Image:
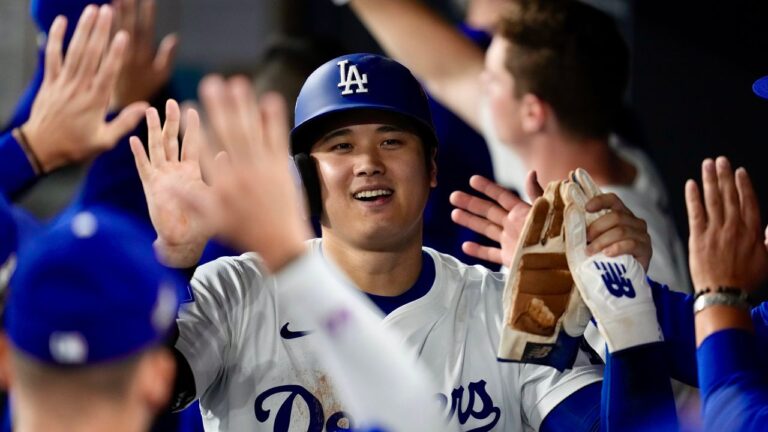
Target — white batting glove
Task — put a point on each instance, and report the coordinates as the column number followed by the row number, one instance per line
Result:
column 614, row 288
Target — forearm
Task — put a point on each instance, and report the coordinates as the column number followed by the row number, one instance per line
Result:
column 445, row 61
column 733, row 387
column 718, row 318
column 637, row 394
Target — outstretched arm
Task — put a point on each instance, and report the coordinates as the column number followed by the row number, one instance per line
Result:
column 728, row 258
column 445, row 61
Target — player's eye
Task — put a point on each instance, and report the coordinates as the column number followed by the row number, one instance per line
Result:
column 341, row 147
column 391, row 143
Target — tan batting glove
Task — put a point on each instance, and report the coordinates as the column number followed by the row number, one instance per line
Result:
column 544, row 315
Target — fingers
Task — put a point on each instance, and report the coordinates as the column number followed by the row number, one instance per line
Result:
column 124, row 123
column 505, row 198
column 140, row 157
column 171, row 131
column 487, row 253
column 248, row 115
column 79, row 40
column 166, row 53
column 613, row 220
column 276, row 128
column 477, row 224
column 712, row 199
column 96, row 45
column 532, row 187
column 629, row 237
column 106, row 79
column 53, row 55
column 190, row 150
column 728, row 192
column 155, row 132
column 129, row 20
column 697, row 216
column 608, row 201
column 750, row 210
column 217, row 108
column 146, row 23
column 479, row 206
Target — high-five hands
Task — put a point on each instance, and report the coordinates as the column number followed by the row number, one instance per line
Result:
column 501, row 217
column 67, row 122
column 252, row 201
column 146, row 68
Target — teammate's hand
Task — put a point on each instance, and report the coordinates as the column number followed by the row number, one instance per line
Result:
column 67, row 122
column 726, row 240
column 181, row 233
column 146, row 69
column 255, row 205
column 618, row 231
column 501, row 219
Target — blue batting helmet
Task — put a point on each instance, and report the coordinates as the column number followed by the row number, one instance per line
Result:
column 359, row 82
column 355, row 82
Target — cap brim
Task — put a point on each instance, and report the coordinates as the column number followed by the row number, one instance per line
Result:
column 760, row 87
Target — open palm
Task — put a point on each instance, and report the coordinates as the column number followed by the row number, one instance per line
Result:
column 181, row 234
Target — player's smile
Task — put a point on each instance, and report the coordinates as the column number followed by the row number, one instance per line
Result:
column 373, row 196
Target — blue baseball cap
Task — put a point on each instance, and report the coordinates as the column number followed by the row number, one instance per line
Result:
column 760, row 87
column 90, row 290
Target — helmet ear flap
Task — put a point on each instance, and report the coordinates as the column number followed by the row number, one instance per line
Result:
column 307, row 168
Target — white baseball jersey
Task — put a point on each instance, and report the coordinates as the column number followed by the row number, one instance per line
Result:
column 255, row 368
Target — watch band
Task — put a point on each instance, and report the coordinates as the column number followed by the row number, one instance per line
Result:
column 720, row 299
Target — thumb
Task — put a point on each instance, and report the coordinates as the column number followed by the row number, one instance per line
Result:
column 166, row 53
column 124, row 123
column 575, row 236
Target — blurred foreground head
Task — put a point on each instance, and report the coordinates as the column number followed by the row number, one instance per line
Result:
column 88, row 312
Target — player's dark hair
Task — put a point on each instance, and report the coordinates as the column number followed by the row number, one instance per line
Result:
column 570, row 55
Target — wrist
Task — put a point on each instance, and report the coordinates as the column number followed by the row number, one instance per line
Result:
column 178, row 256
column 720, row 317
column 277, row 258
column 22, row 137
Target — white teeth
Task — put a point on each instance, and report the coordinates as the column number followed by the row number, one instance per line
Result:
column 373, row 193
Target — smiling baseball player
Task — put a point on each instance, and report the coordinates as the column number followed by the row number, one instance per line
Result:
column 365, row 147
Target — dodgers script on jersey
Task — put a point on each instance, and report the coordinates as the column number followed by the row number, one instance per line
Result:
column 255, row 369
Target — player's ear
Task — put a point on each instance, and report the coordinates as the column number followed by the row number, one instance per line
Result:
column 433, row 168
column 533, row 113
column 154, row 378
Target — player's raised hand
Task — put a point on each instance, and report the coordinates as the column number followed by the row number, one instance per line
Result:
column 500, row 219
column 146, row 68
column 727, row 245
column 181, row 233
column 256, row 204
column 67, row 121
column 616, row 232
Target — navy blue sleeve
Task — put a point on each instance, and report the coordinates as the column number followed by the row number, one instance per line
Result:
column 16, row 172
column 576, row 413
column 734, row 390
column 637, row 393
column 674, row 312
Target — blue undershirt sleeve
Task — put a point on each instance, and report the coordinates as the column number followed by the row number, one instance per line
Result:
column 637, row 393
column 674, row 312
column 734, row 391
column 15, row 170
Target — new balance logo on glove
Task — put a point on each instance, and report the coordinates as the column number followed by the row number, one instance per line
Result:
column 615, row 282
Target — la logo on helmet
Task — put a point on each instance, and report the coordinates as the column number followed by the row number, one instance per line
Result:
column 350, row 77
